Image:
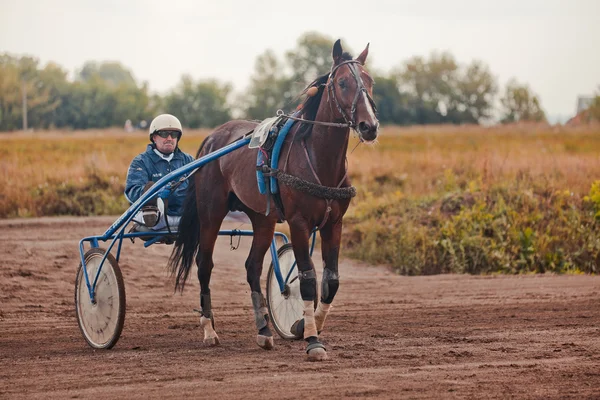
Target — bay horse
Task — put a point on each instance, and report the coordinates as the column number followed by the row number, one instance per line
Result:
column 315, row 152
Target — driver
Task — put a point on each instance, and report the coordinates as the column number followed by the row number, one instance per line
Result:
column 161, row 157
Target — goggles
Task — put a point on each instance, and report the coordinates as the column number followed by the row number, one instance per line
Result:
column 165, row 134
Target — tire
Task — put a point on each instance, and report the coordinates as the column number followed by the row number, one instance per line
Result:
column 101, row 323
column 288, row 307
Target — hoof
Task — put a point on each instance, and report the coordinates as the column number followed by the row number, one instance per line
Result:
column 212, row 341
column 318, row 354
column 315, row 351
column 265, row 342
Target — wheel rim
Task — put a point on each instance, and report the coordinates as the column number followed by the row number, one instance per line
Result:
column 99, row 320
column 288, row 307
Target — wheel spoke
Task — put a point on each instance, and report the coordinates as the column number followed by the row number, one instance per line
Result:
column 285, row 310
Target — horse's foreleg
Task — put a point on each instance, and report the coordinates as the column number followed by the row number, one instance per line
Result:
column 330, row 249
column 308, row 290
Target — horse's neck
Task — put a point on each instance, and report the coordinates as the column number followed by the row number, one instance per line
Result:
column 327, row 148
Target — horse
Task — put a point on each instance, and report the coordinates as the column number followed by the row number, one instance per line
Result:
column 314, row 152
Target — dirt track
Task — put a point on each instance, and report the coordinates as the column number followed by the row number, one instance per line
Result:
column 388, row 336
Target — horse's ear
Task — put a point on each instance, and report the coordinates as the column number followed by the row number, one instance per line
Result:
column 337, row 52
column 363, row 56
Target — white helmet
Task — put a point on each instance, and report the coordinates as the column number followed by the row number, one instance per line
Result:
column 165, row 122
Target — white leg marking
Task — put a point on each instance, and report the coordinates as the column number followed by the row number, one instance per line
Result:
column 210, row 336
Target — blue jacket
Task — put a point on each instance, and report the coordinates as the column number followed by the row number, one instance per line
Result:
column 149, row 166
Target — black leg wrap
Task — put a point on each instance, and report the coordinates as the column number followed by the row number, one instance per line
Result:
column 297, row 329
column 313, row 343
column 329, row 286
column 308, row 285
column 205, row 305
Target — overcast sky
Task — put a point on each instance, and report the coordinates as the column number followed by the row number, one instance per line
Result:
column 553, row 45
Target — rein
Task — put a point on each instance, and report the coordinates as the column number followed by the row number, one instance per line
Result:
column 280, row 113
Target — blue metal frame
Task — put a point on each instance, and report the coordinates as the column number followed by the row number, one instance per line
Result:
column 162, row 189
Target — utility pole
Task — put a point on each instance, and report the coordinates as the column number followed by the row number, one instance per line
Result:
column 24, row 92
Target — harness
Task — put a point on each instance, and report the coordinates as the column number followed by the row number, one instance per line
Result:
column 268, row 154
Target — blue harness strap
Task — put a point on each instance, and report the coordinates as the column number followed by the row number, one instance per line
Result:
column 260, row 159
column 277, row 149
column 260, row 178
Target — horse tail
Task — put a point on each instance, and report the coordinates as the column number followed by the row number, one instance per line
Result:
column 188, row 236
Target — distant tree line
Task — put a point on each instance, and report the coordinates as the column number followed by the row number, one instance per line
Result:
column 422, row 90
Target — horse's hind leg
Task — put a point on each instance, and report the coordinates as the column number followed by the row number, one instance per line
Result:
column 208, row 237
column 205, row 266
column 263, row 228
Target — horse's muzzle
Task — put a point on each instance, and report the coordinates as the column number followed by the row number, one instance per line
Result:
column 368, row 132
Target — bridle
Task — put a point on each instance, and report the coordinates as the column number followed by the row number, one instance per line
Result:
column 349, row 122
column 360, row 88
column 338, row 192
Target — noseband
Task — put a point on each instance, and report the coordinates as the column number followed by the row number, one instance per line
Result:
column 360, row 88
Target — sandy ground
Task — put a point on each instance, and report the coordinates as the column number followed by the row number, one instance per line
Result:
column 388, row 336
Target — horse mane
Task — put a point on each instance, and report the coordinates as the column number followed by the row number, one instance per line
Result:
column 310, row 105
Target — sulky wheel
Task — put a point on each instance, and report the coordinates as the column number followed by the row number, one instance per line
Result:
column 287, row 306
column 101, row 321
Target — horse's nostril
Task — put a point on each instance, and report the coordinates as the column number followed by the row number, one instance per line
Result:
column 363, row 127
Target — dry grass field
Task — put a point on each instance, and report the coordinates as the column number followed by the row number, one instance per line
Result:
column 474, row 199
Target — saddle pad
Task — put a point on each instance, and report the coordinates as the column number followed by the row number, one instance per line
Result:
column 261, row 132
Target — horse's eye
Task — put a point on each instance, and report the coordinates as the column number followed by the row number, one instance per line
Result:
column 342, row 83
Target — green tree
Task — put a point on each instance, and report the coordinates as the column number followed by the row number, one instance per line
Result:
column 475, row 93
column 105, row 94
column 594, row 110
column 310, row 58
column 199, row 104
column 444, row 91
column 94, row 105
column 52, row 80
column 133, row 103
column 270, row 88
column 111, row 72
column 278, row 85
column 21, row 81
column 10, row 93
column 393, row 106
column 521, row 104
column 432, row 84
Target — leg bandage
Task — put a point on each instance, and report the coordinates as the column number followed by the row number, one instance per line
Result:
column 310, row 329
column 321, row 315
column 261, row 314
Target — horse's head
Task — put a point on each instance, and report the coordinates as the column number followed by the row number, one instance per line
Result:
column 351, row 90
